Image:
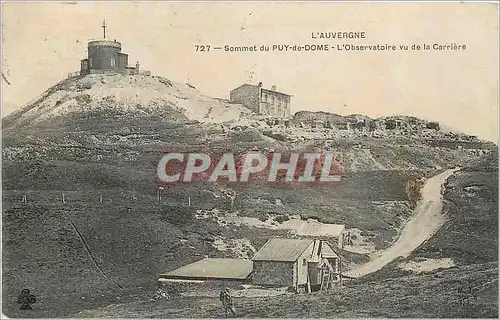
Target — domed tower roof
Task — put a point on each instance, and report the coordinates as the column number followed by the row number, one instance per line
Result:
column 105, row 43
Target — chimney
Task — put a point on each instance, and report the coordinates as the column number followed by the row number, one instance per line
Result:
column 273, row 88
column 260, row 84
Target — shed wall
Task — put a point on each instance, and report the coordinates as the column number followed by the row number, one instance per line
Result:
column 273, row 273
column 302, row 262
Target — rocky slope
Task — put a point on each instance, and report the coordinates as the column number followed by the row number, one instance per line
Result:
column 97, row 139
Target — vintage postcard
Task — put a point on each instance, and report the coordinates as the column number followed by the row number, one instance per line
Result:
column 260, row 159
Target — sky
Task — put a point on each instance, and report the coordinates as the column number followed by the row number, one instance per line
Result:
column 43, row 42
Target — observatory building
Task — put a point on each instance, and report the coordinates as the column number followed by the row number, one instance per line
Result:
column 105, row 56
column 268, row 102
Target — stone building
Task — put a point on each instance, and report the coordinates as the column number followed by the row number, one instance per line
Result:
column 105, row 56
column 262, row 101
column 302, row 264
column 298, row 263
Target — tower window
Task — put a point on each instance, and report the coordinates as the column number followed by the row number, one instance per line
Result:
column 113, row 62
column 90, row 62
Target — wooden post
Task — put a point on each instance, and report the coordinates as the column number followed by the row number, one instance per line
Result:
column 159, row 194
column 100, row 198
column 189, row 201
column 63, row 199
column 340, row 271
column 297, row 277
column 308, row 282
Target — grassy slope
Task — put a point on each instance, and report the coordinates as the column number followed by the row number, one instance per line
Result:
column 134, row 240
column 430, row 296
column 43, row 252
column 469, row 237
column 470, row 234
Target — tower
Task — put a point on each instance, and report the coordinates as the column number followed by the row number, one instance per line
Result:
column 104, row 56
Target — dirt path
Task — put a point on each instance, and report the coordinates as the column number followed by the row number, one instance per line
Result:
column 426, row 220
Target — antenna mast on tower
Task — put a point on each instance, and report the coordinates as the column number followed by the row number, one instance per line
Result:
column 104, row 28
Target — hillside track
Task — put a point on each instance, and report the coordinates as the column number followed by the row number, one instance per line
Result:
column 426, row 220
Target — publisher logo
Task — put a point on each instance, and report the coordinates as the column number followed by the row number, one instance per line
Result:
column 26, row 299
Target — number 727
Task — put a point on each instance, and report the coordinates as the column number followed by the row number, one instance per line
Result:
column 202, row 47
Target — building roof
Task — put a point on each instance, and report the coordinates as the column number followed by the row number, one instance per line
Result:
column 282, row 249
column 232, row 269
column 256, row 86
column 106, row 43
column 312, row 227
column 270, row 90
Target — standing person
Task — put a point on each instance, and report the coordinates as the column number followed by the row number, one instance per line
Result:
column 227, row 302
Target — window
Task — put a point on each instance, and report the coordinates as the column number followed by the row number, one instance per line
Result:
column 304, row 262
column 113, row 62
column 272, row 99
column 90, row 62
column 264, row 97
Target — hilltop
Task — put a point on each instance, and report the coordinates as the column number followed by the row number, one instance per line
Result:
column 122, row 96
column 97, row 139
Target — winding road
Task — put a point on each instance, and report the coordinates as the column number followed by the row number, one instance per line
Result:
column 426, row 220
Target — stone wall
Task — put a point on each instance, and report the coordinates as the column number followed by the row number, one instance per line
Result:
column 208, row 287
column 247, row 95
column 275, row 104
column 273, row 273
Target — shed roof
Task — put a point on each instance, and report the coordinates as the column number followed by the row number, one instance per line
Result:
column 327, row 251
column 282, row 249
column 233, row 269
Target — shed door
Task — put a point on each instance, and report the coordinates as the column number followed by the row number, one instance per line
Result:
column 314, row 273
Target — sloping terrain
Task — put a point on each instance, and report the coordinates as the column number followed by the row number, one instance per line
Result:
column 469, row 235
column 467, row 290
column 429, row 296
column 426, row 220
column 123, row 96
column 96, row 141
